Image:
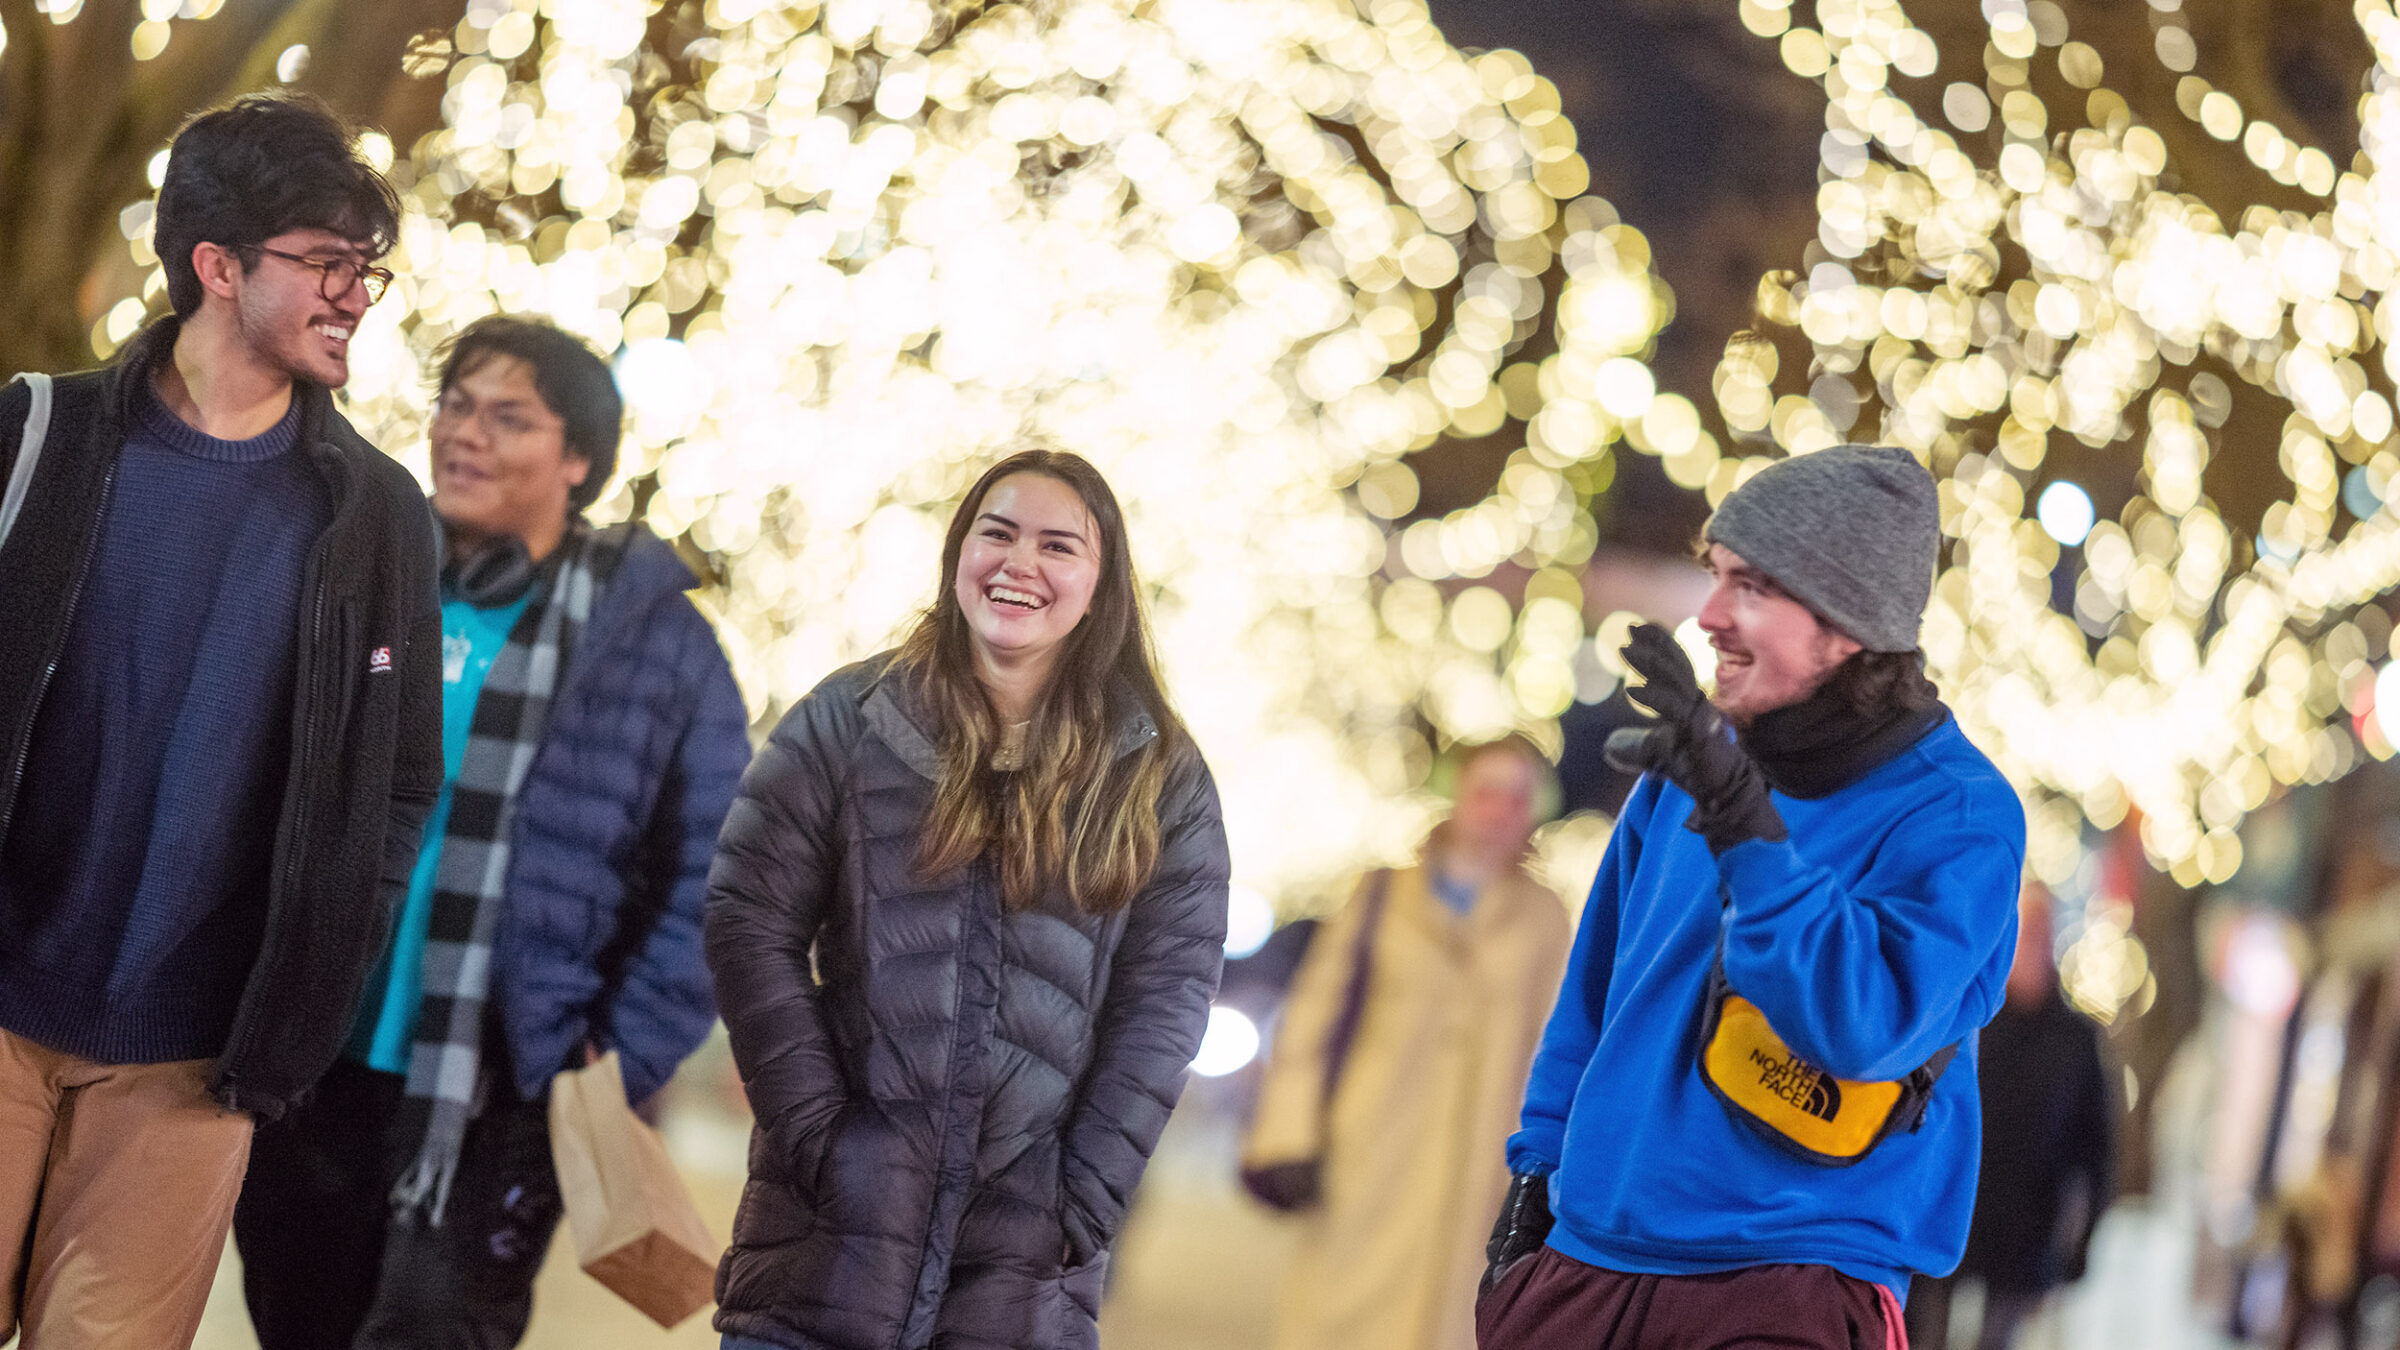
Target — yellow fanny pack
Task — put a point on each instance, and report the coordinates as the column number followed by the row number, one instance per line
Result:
column 1793, row 1104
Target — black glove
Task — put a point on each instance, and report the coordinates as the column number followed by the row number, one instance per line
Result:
column 1286, row 1188
column 1523, row 1227
column 1688, row 743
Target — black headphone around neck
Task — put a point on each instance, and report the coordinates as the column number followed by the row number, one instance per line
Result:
column 498, row 572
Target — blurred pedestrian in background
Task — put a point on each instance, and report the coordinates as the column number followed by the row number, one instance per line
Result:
column 1398, row 1070
column 2049, row 1150
column 592, row 741
column 966, row 920
column 1754, row 1111
column 221, row 720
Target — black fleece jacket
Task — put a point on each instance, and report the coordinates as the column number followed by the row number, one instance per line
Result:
column 366, row 717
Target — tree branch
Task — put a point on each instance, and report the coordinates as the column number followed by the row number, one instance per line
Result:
column 80, row 119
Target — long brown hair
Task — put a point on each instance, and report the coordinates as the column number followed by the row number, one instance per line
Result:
column 1077, row 815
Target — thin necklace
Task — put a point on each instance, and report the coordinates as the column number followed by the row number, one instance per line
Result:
column 1009, row 756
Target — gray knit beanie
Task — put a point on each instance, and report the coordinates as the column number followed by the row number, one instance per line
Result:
column 1852, row 532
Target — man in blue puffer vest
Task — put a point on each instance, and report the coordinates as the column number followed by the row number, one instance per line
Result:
column 593, row 742
column 1754, row 1112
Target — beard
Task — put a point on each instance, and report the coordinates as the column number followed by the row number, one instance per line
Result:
column 283, row 341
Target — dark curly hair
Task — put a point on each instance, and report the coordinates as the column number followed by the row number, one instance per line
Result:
column 1878, row 682
column 240, row 174
column 571, row 378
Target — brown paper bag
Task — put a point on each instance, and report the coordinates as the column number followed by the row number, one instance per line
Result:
column 635, row 1226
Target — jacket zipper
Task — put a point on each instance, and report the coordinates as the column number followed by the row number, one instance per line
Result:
column 987, row 873
column 41, row 687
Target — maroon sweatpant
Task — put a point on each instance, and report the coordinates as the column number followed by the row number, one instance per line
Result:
column 1554, row 1302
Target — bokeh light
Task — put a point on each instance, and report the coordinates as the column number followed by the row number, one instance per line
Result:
column 2387, row 702
column 2028, row 279
column 1251, row 256
column 1249, row 921
column 2065, row 512
column 1229, row 1044
column 1247, row 255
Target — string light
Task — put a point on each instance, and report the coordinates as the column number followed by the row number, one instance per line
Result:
column 1247, row 255
column 2065, row 512
column 1250, row 255
column 2197, row 670
column 1230, row 1043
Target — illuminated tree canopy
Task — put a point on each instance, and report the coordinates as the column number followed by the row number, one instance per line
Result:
column 90, row 90
column 1251, row 256
column 1246, row 256
column 2031, row 278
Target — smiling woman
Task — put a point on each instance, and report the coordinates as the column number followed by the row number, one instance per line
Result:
column 1041, row 626
column 1025, row 576
column 915, row 923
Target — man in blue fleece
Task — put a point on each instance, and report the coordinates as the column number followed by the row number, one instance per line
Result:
column 1820, row 832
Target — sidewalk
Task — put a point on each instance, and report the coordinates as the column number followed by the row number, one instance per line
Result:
column 571, row 1311
column 1200, row 1265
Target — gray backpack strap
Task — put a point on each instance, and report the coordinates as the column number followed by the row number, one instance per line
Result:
column 29, row 451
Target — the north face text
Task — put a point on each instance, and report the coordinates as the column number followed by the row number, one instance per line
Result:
column 1802, row 1084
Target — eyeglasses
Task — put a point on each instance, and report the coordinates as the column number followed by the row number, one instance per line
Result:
column 337, row 275
column 497, row 421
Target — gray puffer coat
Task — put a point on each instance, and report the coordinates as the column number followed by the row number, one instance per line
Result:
column 953, row 1111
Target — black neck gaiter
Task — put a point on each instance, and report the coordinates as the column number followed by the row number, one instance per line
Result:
column 1822, row 744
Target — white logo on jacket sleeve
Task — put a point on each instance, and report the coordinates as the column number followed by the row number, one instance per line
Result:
column 379, row 661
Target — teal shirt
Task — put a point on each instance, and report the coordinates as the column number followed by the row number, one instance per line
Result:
column 471, row 641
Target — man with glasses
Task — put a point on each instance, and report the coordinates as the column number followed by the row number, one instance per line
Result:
column 340, row 273
column 220, row 729
column 593, row 740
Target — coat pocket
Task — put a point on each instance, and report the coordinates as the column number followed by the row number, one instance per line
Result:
column 1073, row 1304
column 791, row 1148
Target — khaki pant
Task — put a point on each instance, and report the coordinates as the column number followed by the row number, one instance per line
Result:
column 117, row 1182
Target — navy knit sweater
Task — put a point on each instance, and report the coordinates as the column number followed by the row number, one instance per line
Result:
column 134, row 878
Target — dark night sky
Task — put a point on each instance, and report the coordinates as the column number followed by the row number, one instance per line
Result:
column 1619, row 67
column 1700, row 138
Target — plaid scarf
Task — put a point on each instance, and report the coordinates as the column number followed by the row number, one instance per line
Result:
column 446, row 1078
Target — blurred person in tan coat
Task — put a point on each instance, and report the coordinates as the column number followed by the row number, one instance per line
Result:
column 1398, row 1070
